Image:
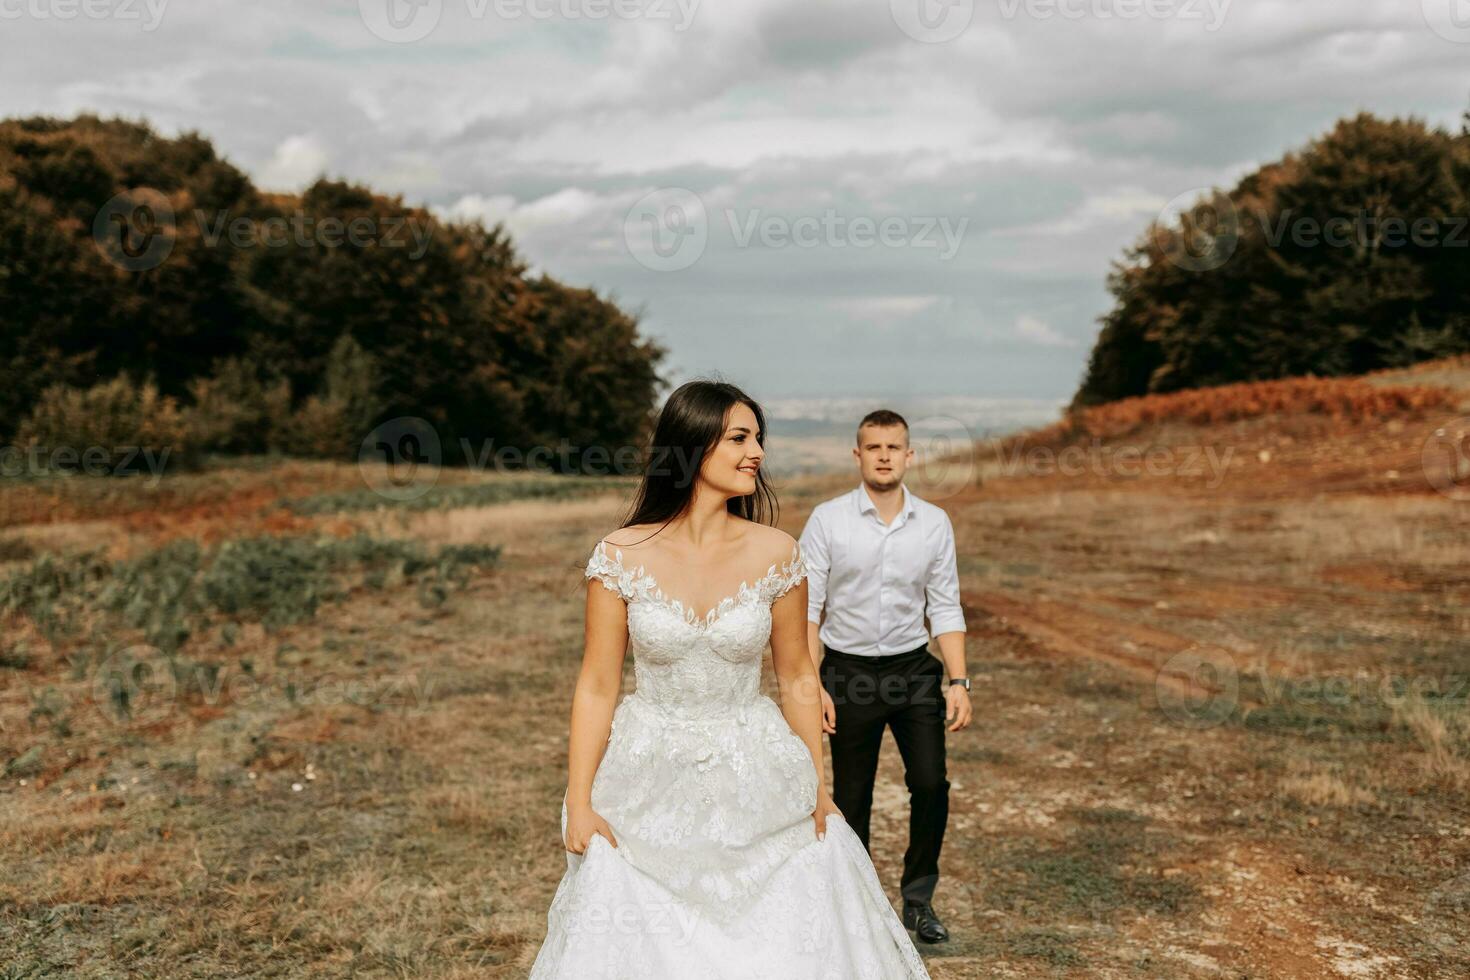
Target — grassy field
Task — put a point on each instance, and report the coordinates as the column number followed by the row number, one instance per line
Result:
column 252, row 725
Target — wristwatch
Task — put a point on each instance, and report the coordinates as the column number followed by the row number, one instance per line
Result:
column 960, row 681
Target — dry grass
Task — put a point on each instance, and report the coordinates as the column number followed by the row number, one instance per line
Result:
column 1336, row 399
column 1444, row 739
column 1451, row 372
column 1096, row 829
column 1314, row 786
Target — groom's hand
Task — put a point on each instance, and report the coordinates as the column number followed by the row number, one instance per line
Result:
column 829, row 713
column 958, row 713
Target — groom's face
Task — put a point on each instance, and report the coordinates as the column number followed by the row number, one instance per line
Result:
column 883, row 454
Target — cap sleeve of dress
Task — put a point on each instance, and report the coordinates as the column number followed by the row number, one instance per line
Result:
column 607, row 568
column 789, row 575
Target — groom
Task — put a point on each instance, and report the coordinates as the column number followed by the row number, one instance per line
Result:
column 880, row 560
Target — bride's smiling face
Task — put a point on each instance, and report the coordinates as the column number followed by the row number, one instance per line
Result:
column 731, row 466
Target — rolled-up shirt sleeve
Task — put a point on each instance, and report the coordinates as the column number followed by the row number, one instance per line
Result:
column 814, row 553
column 942, row 592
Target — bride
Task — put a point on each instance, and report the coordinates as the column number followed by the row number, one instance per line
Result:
column 700, row 839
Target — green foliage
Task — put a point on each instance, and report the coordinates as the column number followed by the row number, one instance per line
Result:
column 485, row 494
column 179, row 591
column 275, row 580
column 103, row 425
column 333, row 423
column 51, row 591
column 157, row 593
column 323, row 333
column 1310, row 266
column 234, row 411
column 1050, row 945
column 1096, row 871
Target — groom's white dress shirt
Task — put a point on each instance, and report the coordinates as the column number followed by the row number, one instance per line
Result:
column 878, row 581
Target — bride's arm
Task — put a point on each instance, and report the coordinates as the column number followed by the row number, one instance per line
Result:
column 801, row 702
column 598, row 685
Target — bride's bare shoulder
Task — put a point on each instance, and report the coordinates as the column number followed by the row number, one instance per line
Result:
column 632, row 537
column 772, row 542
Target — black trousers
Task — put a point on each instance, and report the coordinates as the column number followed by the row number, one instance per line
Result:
column 903, row 691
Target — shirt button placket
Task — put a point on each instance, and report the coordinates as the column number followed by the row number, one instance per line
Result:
column 882, row 581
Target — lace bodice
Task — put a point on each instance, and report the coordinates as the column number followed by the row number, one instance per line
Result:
column 685, row 663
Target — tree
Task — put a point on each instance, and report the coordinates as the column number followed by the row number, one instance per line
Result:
column 333, row 310
column 1348, row 256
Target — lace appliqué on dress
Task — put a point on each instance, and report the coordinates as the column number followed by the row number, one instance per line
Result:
column 636, row 584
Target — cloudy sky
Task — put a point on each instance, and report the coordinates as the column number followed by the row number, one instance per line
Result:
column 811, row 198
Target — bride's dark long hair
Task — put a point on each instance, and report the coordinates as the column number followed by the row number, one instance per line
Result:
column 689, row 427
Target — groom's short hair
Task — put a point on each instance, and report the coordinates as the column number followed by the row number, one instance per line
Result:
column 882, row 417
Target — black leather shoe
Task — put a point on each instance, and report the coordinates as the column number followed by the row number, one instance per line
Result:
column 920, row 918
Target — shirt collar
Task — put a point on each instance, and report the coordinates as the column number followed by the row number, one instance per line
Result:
column 865, row 501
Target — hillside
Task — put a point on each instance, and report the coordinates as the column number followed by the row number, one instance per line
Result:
column 1223, row 725
column 1379, row 433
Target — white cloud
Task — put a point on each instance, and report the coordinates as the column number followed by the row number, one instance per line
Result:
column 1035, row 330
column 1128, row 205
column 571, row 215
column 297, row 162
column 885, row 309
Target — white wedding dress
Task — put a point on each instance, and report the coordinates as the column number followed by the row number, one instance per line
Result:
column 718, row 872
